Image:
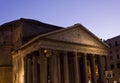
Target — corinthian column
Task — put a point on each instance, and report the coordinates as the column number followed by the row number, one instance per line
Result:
column 34, row 58
column 43, row 67
column 100, row 69
column 66, row 70
column 59, row 72
column 29, row 70
column 85, row 69
column 55, row 67
column 93, row 68
column 25, row 69
column 77, row 76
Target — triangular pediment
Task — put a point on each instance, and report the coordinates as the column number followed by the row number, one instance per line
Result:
column 76, row 34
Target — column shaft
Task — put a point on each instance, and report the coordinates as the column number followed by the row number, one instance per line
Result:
column 35, row 80
column 29, row 70
column 25, row 69
column 100, row 69
column 55, row 67
column 93, row 68
column 66, row 70
column 77, row 76
column 59, row 72
column 85, row 69
column 43, row 73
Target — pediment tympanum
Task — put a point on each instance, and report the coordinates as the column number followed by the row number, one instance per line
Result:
column 76, row 34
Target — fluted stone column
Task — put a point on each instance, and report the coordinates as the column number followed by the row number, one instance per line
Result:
column 29, row 70
column 93, row 68
column 43, row 67
column 34, row 59
column 66, row 69
column 77, row 76
column 100, row 69
column 85, row 69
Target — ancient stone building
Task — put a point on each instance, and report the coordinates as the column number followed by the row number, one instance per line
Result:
column 12, row 36
column 67, row 55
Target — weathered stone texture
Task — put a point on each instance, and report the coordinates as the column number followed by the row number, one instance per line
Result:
column 5, row 74
column 14, row 34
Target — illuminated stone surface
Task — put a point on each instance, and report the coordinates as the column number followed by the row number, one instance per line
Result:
column 13, row 35
column 47, row 53
column 63, row 56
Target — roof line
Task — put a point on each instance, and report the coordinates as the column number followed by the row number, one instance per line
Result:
column 53, row 32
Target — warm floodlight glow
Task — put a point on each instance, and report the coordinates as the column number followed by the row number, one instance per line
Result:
column 89, row 81
column 21, row 77
column 45, row 51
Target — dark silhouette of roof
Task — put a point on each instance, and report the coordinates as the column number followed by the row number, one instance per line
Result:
column 29, row 21
column 30, row 28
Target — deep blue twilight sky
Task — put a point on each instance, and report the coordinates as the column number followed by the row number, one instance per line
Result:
column 102, row 17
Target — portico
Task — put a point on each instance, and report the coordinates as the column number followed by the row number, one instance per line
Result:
column 71, row 55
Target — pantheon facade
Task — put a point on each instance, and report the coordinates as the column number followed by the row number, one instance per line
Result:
column 67, row 55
